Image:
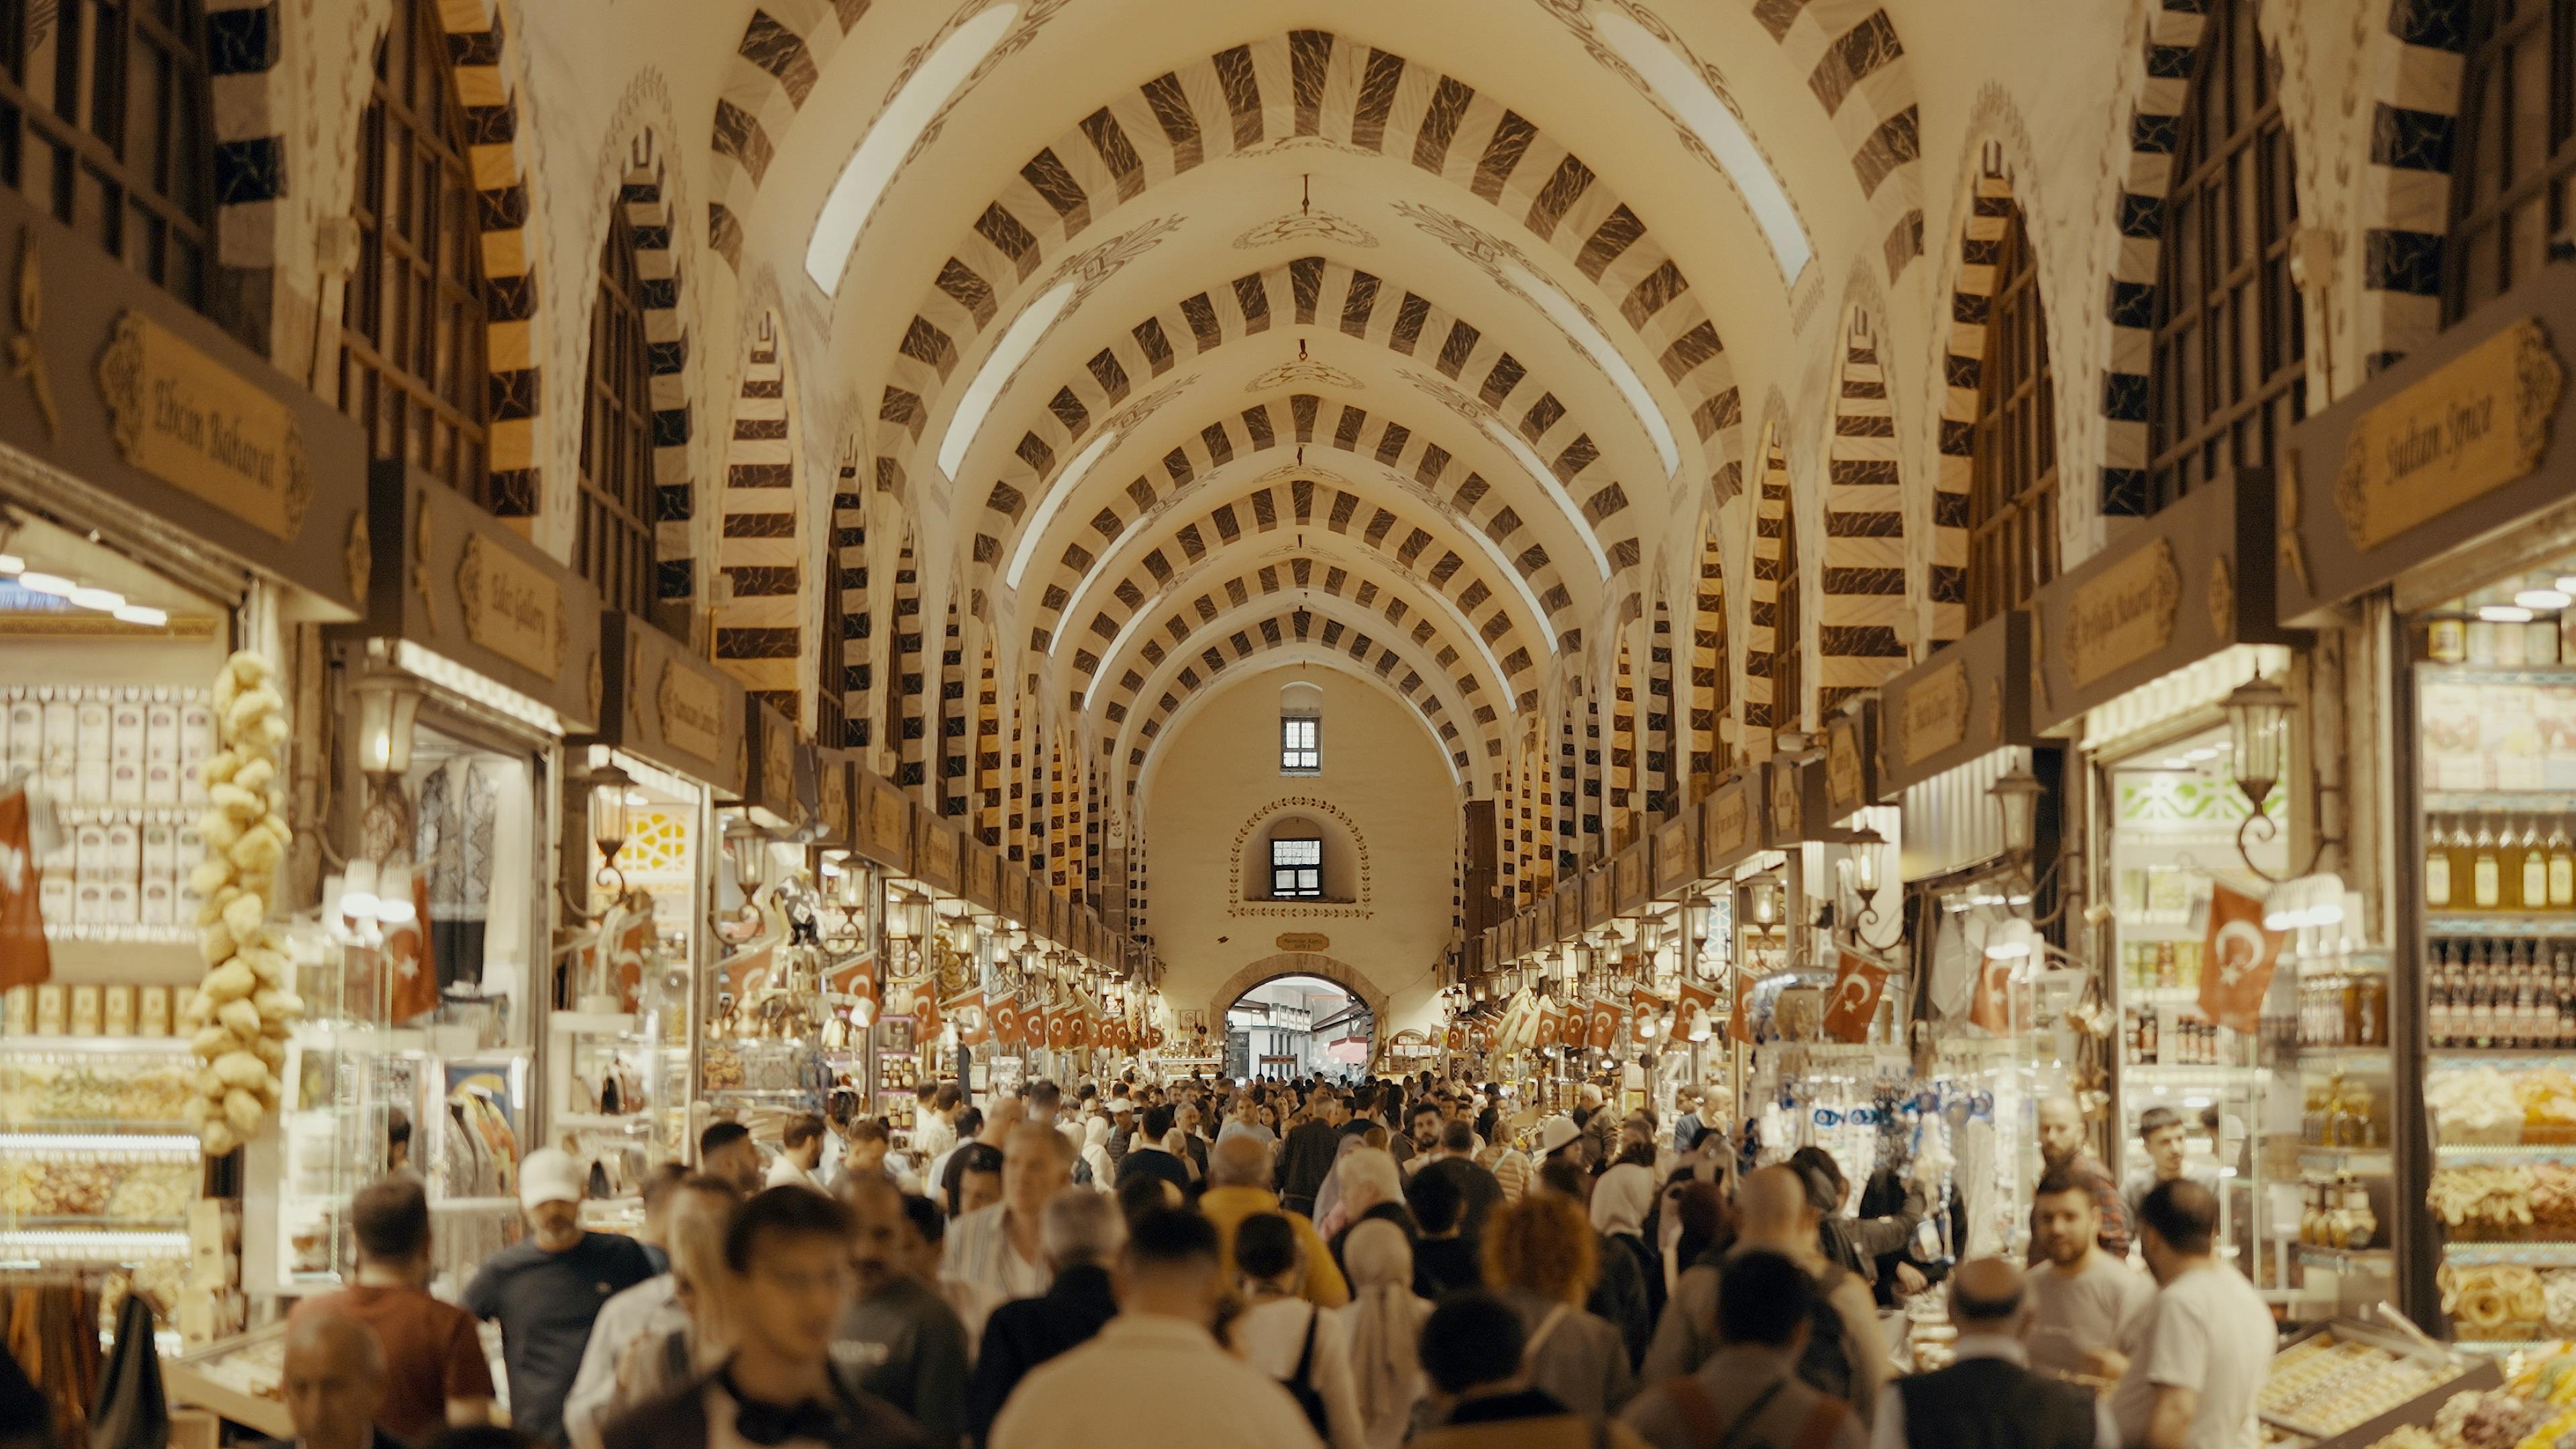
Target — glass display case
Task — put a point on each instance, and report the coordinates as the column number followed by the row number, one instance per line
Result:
column 97, row 1162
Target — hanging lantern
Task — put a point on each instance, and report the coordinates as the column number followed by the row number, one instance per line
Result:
column 2258, row 714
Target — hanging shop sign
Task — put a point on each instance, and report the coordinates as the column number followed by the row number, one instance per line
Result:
column 1732, row 824
column 1013, row 886
column 983, row 876
column 114, row 382
column 1676, row 852
column 779, row 786
column 1569, row 909
column 935, row 852
column 661, row 703
column 835, row 825
column 1306, row 941
column 1969, row 700
column 458, row 582
column 1796, row 812
column 1632, row 875
column 884, row 822
column 2446, row 448
column 2189, row 582
column 1851, row 759
column 1596, row 894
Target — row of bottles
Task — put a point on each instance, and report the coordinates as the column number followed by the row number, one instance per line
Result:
column 2159, row 965
column 2344, row 1009
column 2166, row 1038
column 2337, row 1214
column 2535, row 640
column 2341, row 1111
column 2509, row 994
column 2484, row 863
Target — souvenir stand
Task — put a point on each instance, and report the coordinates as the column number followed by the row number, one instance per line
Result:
column 1987, row 1000
column 1691, row 1049
column 641, row 831
column 761, row 1052
column 134, row 562
column 2138, row 653
column 860, row 916
column 842, row 928
column 2460, row 562
column 451, row 700
column 1746, row 947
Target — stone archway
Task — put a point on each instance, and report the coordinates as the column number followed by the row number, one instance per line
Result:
column 1300, row 963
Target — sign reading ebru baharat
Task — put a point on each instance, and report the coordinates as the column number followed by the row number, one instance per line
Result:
column 193, row 423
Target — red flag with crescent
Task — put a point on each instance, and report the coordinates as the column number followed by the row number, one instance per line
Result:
column 925, row 1014
column 2240, row 957
column 1992, row 1005
column 1739, row 1017
column 1604, row 1031
column 1645, row 1017
column 1694, row 1013
column 1059, row 1026
column 1854, row 1003
column 1551, row 1024
column 974, row 1028
column 1009, row 1026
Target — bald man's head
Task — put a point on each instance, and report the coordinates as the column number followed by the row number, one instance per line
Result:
column 1238, row 1161
column 2061, row 1128
column 1986, row 1297
column 1771, row 1209
column 334, row 1379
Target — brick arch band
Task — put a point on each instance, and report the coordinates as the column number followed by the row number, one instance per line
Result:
column 1300, row 963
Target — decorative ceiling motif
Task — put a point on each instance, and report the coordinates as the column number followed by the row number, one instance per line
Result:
column 1304, row 372
column 1306, row 226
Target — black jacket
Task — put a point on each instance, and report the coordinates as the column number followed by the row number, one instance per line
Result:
column 1027, row 1332
column 1155, row 1162
column 1987, row 1403
column 1305, row 1159
column 678, row 1419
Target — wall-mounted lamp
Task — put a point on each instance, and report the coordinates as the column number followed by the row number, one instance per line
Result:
column 2258, row 713
column 2016, row 795
column 612, row 820
column 388, row 710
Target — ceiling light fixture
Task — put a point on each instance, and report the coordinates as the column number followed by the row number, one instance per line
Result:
column 1678, row 82
column 2504, row 613
column 1062, row 489
column 999, row 368
column 142, row 614
column 39, row 583
column 890, row 139
column 1578, row 324
column 1544, row 476
column 90, row 596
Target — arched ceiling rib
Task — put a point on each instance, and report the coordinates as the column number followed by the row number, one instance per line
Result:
column 1041, row 419
column 1358, row 100
column 1307, row 420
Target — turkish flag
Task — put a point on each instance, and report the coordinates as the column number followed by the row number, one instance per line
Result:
column 1645, row 1017
column 1450, row 1037
column 1551, row 1024
column 1854, row 1004
column 925, row 1015
column 1059, row 1026
column 2237, row 960
column 973, row 1027
column 1153, row 1036
column 1604, row 1033
column 1739, row 1017
column 1695, row 1013
column 1009, row 1030
column 415, row 982
column 1992, row 1005
column 861, row 988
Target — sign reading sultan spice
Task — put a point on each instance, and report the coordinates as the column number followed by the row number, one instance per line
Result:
column 182, row 417
column 2123, row 614
column 512, row 607
column 2468, row 428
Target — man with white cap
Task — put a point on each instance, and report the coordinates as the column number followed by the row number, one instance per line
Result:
column 1558, row 1136
column 546, row 1291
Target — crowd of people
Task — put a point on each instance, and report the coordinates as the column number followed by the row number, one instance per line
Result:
column 1282, row 1264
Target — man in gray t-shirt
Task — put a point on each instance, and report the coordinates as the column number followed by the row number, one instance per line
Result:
column 2086, row 1305
column 2200, row 1360
column 901, row 1338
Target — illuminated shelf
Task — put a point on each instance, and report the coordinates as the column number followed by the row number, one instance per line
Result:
column 2516, row 924
column 2559, row 1254
column 2501, row 1058
column 101, row 1245
column 2525, row 1152
column 2339, row 1059
column 102, row 1144
column 2381, row 1260
column 2499, row 802
column 2368, row 1161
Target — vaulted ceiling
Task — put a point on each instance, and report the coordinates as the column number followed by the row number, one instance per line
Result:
column 1188, row 334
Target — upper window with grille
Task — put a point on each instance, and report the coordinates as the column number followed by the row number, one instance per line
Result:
column 2514, row 192
column 412, row 367
column 2012, row 495
column 1297, row 868
column 613, row 546
column 1301, row 744
column 104, row 125
column 2229, row 371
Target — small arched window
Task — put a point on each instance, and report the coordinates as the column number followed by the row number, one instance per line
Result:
column 614, row 544
column 106, row 129
column 2012, row 496
column 1296, row 867
column 1301, row 730
column 2511, row 196
column 1788, row 641
column 2229, row 374
column 412, row 367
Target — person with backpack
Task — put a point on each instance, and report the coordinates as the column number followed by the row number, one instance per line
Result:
column 1278, row 1332
column 1542, row 1259
column 1843, row 1355
column 1750, row 1394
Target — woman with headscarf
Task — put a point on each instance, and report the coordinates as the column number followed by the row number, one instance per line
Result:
column 1383, row 1323
column 1095, row 1152
column 1630, row 1293
column 1372, row 1190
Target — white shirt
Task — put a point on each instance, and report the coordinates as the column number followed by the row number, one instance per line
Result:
column 932, row 1134
column 1272, row 1335
column 979, row 1258
column 1122, row 1389
column 2209, row 1331
column 785, row 1173
column 650, row 1308
column 1888, row 1432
